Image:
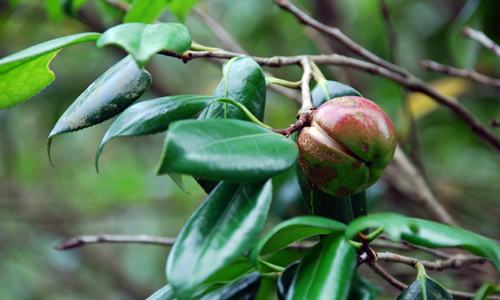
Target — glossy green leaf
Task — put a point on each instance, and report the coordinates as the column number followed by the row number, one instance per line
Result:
column 343, row 209
column 236, row 269
column 165, row 293
column 108, row 96
column 232, row 150
column 143, row 41
column 243, row 81
column 144, row 11
column 220, row 231
column 244, row 288
column 486, row 290
column 333, row 89
column 362, row 289
column 427, row 233
column 326, row 272
column 154, row 116
column 285, row 280
column 25, row 73
column 180, row 8
column 425, row 288
column 293, row 230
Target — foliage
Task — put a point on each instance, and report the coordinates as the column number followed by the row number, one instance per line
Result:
column 237, row 159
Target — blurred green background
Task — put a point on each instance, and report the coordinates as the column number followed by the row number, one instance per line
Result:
column 41, row 205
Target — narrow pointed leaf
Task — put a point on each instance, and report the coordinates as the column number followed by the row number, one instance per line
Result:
column 165, row 293
column 244, row 288
column 232, row 150
column 486, row 290
column 108, row 96
column 25, row 73
column 293, row 230
column 425, row 288
column 143, row 41
column 154, row 116
column 243, row 81
column 144, row 11
column 326, row 272
column 220, row 231
column 428, row 234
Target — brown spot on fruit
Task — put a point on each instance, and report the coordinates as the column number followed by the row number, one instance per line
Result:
column 343, row 192
column 322, row 175
column 343, row 101
column 364, row 147
column 376, row 156
column 356, row 164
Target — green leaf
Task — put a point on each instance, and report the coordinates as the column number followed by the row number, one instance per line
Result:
column 326, row 272
column 180, row 8
column 143, row 41
column 232, row 150
column 165, row 293
column 285, row 280
column 486, row 290
column 108, row 96
column 25, row 73
column 219, row 232
column 333, row 89
column 244, row 288
column 154, row 116
column 428, row 234
column 243, row 81
column 236, row 269
column 362, row 289
column 54, row 10
column 144, row 11
column 293, row 230
column 343, row 209
column 424, row 288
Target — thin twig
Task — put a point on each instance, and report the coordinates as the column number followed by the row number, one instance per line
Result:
column 401, row 286
column 472, row 75
column 393, row 41
column 307, row 104
column 293, row 128
column 337, row 34
column 82, row 240
column 480, row 37
column 454, row 262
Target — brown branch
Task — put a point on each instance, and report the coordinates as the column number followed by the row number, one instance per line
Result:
column 338, row 35
column 454, row 262
column 401, row 286
column 480, row 37
column 82, row 240
column 472, row 75
column 293, row 128
column 307, row 104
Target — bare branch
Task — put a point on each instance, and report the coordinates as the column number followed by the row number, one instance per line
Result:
column 480, row 37
column 407, row 179
column 82, row 240
column 472, row 75
column 307, row 104
column 338, row 35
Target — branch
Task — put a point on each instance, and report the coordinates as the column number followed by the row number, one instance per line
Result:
column 307, row 104
column 82, row 240
column 401, row 286
column 454, row 262
column 472, row 75
column 480, row 37
column 393, row 41
column 338, row 35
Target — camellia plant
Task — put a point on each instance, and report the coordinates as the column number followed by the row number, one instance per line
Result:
column 340, row 146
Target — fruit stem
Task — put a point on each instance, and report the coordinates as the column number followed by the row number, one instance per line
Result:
column 307, row 104
column 316, row 72
column 294, row 127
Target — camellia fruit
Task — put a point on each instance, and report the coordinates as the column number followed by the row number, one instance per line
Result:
column 347, row 147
